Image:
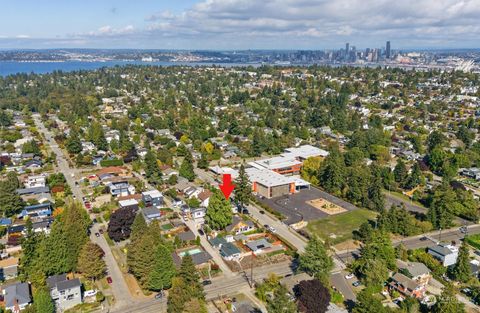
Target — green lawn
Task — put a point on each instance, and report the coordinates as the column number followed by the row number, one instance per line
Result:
column 340, row 225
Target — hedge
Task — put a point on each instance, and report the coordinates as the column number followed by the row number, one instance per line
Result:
column 113, row 162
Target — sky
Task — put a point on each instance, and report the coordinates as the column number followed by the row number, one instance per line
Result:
column 239, row 24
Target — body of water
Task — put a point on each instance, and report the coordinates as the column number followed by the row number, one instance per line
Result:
column 12, row 67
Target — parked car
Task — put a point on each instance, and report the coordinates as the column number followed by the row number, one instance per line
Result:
column 262, row 212
column 200, row 231
column 159, row 295
column 206, row 282
column 423, row 238
column 356, row 283
column 90, row 293
column 349, row 276
column 272, row 229
column 101, row 230
column 109, row 280
column 97, row 235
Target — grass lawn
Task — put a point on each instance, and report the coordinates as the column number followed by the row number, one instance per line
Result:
column 340, row 225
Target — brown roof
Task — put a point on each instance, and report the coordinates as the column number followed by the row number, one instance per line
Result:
column 204, row 195
column 136, row 196
column 111, row 170
column 8, row 262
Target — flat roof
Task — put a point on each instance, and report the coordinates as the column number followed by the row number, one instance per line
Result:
column 278, row 162
column 268, row 178
column 305, row 151
column 153, row 193
column 128, row 202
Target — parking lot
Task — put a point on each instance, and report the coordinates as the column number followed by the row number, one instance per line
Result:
column 295, row 207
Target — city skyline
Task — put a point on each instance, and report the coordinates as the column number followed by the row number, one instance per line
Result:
column 237, row 25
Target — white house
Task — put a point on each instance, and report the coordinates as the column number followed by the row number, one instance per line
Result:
column 446, row 254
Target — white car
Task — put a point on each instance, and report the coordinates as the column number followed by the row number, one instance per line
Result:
column 90, row 293
column 272, row 229
column 349, row 276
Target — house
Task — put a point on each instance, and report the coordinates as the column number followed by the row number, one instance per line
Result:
column 35, row 181
column 191, row 192
column 152, row 198
column 128, row 204
column 259, row 246
column 217, row 242
column 407, row 286
column 446, row 254
column 33, row 164
column 472, row 172
column 186, row 236
column 417, row 271
column 240, row 226
column 40, row 210
column 151, row 213
column 229, row 251
column 8, row 268
column 198, row 213
column 66, row 293
column 120, row 187
column 199, row 257
column 17, row 297
column 32, row 191
column 204, row 197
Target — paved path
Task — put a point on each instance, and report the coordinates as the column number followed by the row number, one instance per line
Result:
column 119, row 287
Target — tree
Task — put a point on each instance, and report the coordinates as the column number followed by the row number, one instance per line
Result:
column 312, row 296
column 43, row 302
column 163, row 270
column 310, row 169
column 141, row 255
column 375, row 198
column 440, row 209
column 97, row 136
column 400, row 172
column 367, row 303
column 178, row 296
column 203, row 163
column 436, row 139
column 90, row 261
column 120, row 223
column 191, row 277
column 139, row 228
column 243, row 191
column 195, row 306
column 447, row 302
column 31, row 147
column 332, row 172
column 315, row 260
column 152, row 171
column 219, row 212
column 461, row 270
column 281, row 303
column 73, row 143
column 415, row 177
column 186, row 169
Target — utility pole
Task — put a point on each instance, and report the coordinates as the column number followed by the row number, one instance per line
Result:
column 251, row 272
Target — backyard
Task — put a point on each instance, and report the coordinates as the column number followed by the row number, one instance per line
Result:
column 339, row 227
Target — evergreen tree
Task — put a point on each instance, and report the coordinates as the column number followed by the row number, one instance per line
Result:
column 367, row 303
column 163, row 270
column 43, row 302
column 186, row 169
column 461, row 270
column 332, row 172
column 31, row 147
column 203, row 162
column 415, row 177
column 152, row 171
column 281, row 303
column 190, row 276
column 400, row 172
column 139, row 228
column 73, row 143
column 243, row 191
column 219, row 212
column 178, row 296
column 97, row 136
column 315, row 260
column 90, row 261
column 140, row 258
column 376, row 198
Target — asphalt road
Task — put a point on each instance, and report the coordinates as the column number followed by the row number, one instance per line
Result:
column 338, row 280
column 119, row 287
column 420, row 241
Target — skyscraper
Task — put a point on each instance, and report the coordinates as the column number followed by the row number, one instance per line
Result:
column 387, row 52
column 347, row 51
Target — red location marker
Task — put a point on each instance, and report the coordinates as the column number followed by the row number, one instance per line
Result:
column 227, row 186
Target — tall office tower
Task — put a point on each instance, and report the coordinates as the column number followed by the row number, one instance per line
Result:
column 387, row 52
column 347, row 50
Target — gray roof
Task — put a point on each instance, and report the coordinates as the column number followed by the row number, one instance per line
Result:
column 62, row 283
column 68, row 284
column 201, row 258
column 441, row 249
column 229, row 249
column 414, row 268
column 150, row 211
column 259, row 244
column 235, row 221
column 186, row 236
column 17, row 293
column 217, row 241
column 34, row 190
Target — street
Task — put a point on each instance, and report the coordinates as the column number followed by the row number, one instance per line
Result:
column 119, row 287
